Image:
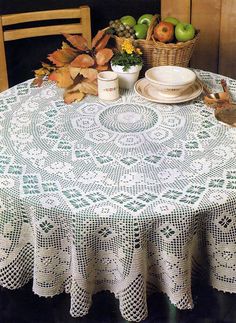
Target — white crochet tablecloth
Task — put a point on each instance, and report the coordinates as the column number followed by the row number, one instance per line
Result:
column 97, row 196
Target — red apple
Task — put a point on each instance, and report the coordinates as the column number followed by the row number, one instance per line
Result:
column 164, row 32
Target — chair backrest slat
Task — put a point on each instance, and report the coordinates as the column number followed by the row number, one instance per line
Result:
column 13, row 19
column 43, row 31
column 83, row 27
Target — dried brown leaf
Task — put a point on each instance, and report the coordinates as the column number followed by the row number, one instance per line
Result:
column 102, row 67
column 41, row 72
column 37, row 81
column 67, row 46
column 62, row 77
column 97, row 37
column 103, row 56
column 88, row 87
column 77, row 41
column 103, row 42
column 74, row 71
column 48, row 66
column 89, row 73
column 83, row 60
column 70, row 97
column 61, row 57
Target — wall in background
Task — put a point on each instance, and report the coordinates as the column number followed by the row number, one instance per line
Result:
column 25, row 55
column 216, row 19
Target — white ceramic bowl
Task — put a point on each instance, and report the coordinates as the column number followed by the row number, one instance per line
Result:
column 170, row 81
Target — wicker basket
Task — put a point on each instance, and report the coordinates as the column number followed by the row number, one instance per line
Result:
column 156, row 53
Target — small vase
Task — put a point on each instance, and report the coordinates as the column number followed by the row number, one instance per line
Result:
column 127, row 78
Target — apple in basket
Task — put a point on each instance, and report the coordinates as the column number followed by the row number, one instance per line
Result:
column 184, row 31
column 174, row 21
column 164, row 32
column 145, row 19
column 141, row 31
column 128, row 21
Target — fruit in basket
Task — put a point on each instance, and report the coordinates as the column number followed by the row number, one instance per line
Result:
column 145, row 19
column 121, row 30
column 184, row 31
column 128, row 21
column 172, row 20
column 164, row 32
column 141, row 31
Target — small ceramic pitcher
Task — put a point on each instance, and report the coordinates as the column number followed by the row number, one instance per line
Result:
column 108, row 86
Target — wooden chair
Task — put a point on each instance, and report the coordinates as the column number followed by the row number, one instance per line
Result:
column 83, row 27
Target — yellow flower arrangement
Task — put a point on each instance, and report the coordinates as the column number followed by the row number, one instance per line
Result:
column 127, row 46
column 128, row 56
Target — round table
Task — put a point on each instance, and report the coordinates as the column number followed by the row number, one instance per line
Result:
column 119, row 196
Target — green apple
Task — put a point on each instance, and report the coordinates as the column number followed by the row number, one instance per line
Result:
column 145, row 19
column 141, row 31
column 184, row 31
column 128, row 21
column 172, row 20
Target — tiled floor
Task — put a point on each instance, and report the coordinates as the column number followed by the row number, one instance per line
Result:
column 22, row 306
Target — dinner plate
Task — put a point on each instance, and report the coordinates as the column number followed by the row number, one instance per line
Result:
column 144, row 88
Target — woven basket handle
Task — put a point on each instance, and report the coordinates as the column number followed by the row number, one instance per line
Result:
column 154, row 22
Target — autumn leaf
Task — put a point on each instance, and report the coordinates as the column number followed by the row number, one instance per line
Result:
column 37, row 81
column 41, row 72
column 97, row 37
column 77, row 41
column 83, row 60
column 45, row 70
column 74, row 71
column 62, row 77
column 66, row 46
column 61, row 57
column 103, row 42
column 102, row 67
column 89, row 73
column 88, row 87
column 48, row 66
column 70, row 97
column 103, row 56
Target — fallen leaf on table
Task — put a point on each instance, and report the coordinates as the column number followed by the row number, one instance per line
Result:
column 41, row 72
column 62, row 77
column 86, row 87
column 37, row 81
column 70, row 97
